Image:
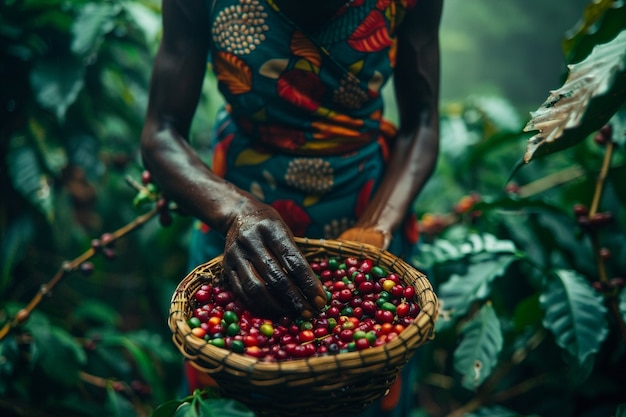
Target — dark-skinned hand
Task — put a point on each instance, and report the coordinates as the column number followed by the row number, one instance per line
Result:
column 267, row 270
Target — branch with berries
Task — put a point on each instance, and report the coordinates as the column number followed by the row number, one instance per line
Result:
column 591, row 221
column 104, row 245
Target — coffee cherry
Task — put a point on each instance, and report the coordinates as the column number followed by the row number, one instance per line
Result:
column 512, row 188
column 86, row 268
column 580, row 210
column 109, row 253
column 96, row 245
column 165, row 218
column 107, row 239
column 605, row 254
column 617, row 282
column 162, row 204
column 146, row 177
column 604, row 135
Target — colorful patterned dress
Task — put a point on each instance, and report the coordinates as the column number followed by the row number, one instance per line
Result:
column 303, row 127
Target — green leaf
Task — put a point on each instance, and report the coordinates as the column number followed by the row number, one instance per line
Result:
column 167, row 409
column 60, row 355
column 618, row 125
column 575, row 314
column 96, row 314
column 28, row 177
column 477, row 354
column 17, row 235
column 57, row 83
column 444, row 250
column 146, row 18
column 621, row 410
column 527, row 313
column 602, row 20
column 142, row 360
column 186, row 410
column 496, row 411
column 460, row 291
column 118, row 406
column 223, row 407
column 93, row 22
column 594, row 90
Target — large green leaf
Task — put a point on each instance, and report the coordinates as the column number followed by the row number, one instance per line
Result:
column 28, row 176
column 460, row 291
column 93, row 22
column 477, row 354
column 594, row 90
column 57, row 83
column 443, row 250
column 575, row 314
column 621, row 410
column 602, row 20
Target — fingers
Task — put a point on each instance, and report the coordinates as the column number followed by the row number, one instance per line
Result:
column 268, row 270
column 264, row 285
column 248, row 287
column 299, row 272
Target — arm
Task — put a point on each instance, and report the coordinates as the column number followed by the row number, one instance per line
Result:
column 416, row 148
column 265, row 267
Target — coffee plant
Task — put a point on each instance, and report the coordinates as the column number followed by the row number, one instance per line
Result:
column 522, row 230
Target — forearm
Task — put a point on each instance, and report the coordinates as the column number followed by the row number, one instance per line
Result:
column 416, row 82
column 184, row 178
column 411, row 164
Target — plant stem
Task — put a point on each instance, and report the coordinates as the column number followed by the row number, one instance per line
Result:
column 601, row 179
column 550, row 181
column 66, row 267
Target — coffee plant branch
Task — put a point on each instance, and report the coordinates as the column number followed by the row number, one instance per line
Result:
column 611, row 294
column 70, row 266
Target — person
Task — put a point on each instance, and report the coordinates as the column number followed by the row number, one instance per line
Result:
column 301, row 147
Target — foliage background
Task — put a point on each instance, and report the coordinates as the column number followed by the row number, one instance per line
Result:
column 73, row 83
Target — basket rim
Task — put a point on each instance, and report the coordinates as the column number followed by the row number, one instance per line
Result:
column 425, row 319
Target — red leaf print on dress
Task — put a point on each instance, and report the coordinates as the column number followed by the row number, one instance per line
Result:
column 282, row 138
column 363, row 198
column 382, row 4
column 219, row 155
column 294, row 216
column 371, row 35
column 301, row 88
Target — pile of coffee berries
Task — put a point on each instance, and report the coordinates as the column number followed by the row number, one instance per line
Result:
column 367, row 306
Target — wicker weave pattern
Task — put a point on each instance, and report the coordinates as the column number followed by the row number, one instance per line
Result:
column 319, row 386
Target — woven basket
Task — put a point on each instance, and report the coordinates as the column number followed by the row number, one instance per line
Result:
column 325, row 386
